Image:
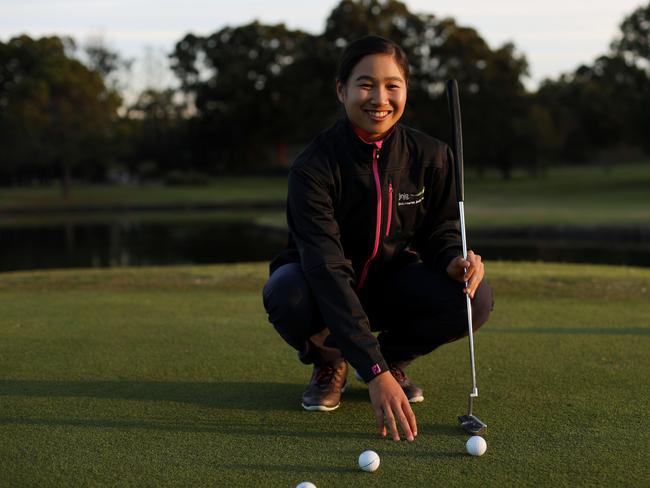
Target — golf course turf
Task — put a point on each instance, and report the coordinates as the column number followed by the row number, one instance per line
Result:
column 173, row 377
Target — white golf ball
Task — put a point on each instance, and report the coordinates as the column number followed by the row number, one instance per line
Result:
column 306, row 484
column 369, row 461
column 476, row 445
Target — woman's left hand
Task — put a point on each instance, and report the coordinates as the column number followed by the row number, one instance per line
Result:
column 470, row 271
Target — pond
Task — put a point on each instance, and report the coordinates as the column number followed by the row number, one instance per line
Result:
column 129, row 243
column 135, row 244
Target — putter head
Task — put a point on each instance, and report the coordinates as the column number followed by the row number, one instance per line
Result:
column 472, row 424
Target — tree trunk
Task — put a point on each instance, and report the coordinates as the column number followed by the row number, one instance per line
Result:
column 281, row 154
column 65, row 180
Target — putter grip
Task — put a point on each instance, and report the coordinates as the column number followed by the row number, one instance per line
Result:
column 453, row 101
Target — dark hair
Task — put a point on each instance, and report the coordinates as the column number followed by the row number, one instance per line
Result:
column 357, row 50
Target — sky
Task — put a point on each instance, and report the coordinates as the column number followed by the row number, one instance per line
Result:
column 556, row 36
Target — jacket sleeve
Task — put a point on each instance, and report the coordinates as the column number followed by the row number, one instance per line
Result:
column 330, row 275
column 438, row 239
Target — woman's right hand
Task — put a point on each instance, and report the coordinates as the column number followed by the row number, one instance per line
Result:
column 391, row 407
column 470, row 271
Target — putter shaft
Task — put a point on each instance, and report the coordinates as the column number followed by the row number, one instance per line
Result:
column 469, row 422
column 468, row 301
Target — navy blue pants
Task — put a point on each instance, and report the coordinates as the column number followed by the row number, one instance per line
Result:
column 414, row 308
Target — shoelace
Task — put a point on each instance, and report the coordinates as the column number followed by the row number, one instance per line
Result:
column 324, row 376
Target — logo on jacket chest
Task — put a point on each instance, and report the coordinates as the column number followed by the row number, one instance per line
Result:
column 410, row 198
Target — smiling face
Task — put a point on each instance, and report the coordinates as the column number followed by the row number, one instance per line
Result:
column 374, row 95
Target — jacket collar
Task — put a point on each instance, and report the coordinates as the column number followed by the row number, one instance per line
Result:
column 361, row 147
column 361, row 134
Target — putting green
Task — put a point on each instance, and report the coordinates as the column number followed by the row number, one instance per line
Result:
column 173, row 376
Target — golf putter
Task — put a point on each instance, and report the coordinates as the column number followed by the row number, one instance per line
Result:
column 470, row 422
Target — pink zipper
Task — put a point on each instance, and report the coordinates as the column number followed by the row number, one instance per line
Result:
column 390, row 206
column 375, row 172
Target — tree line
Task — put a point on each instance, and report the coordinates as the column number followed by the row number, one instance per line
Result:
column 249, row 96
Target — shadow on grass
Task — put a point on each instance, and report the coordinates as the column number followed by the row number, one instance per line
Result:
column 281, row 398
column 230, row 395
column 571, row 330
column 285, row 468
column 216, row 426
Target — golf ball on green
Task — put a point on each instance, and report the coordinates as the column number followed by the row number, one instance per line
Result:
column 476, row 445
column 306, row 484
column 369, row 461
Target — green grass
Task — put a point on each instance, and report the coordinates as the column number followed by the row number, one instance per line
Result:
column 566, row 196
column 272, row 218
column 173, row 377
column 223, row 190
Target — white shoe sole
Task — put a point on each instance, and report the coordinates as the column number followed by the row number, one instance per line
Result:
column 323, row 408
column 319, row 408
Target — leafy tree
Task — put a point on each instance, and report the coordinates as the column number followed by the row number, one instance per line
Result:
column 105, row 61
column 502, row 115
column 266, row 85
column 257, row 85
column 56, row 113
column 236, row 79
column 604, row 105
column 599, row 106
column 633, row 48
column 634, row 42
column 158, row 133
column 351, row 20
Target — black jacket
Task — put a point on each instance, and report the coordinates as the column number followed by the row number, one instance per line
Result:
column 342, row 230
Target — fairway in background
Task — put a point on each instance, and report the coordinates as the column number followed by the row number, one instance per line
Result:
column 173, row 376
column 589, row 195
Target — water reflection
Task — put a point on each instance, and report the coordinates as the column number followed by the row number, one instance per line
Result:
column 623, row 245
column 135, row 244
